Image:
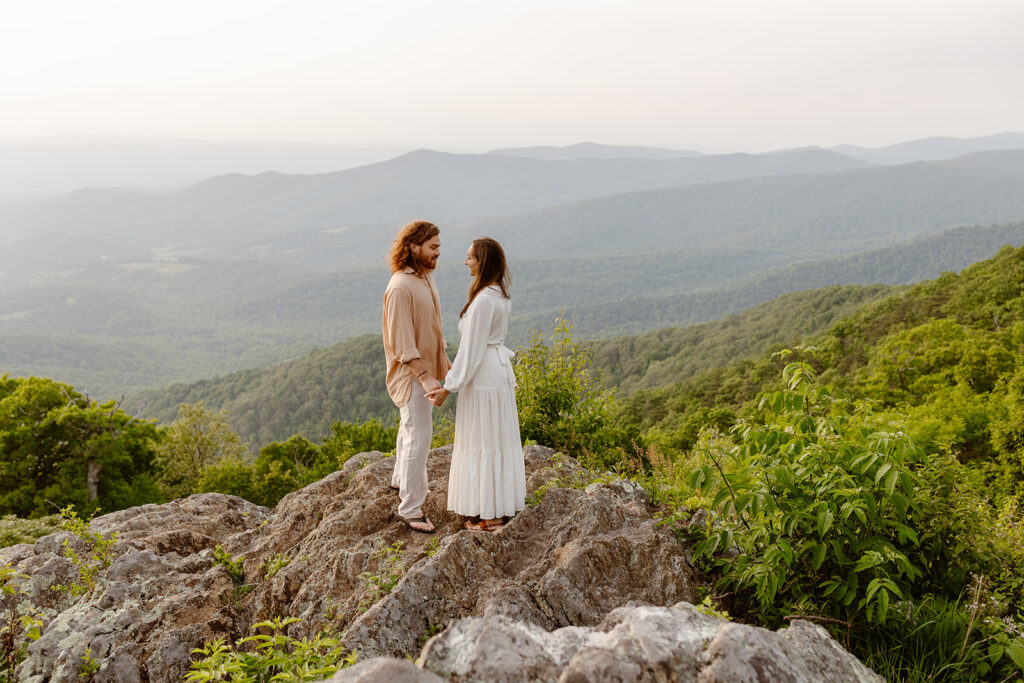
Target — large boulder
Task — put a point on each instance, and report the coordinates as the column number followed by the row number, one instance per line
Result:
column 640, row 643
column 567, row 561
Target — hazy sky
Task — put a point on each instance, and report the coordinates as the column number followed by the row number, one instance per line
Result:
column 474, row 74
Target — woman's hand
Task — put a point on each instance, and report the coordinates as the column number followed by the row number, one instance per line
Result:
column 438, row 396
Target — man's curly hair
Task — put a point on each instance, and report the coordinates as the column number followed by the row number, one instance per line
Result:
column 400, row 257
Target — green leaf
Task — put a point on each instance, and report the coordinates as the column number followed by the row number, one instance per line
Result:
column 995, row 652
column 1016, row 652
column 890, row 481
column 883, row 604
column 722, row 495
column 901, row 504
column 818, row 555
column 825, row 519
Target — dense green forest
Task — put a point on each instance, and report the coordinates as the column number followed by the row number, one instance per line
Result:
column 343, row 382
column 883, row 350
column 919, row 259
column 305, row 396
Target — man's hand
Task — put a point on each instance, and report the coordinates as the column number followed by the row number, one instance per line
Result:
column 438, row 396
column 430, row 385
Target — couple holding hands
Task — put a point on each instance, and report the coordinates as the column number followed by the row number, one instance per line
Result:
column 487, row 481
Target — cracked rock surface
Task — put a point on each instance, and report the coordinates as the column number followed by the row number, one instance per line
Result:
column 583, row 585
column 566, row 562
column 640, row 643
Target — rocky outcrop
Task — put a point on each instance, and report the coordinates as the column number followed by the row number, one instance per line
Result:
column 639, row 643
column 577, row 587
column 160, row 597
column 564, row 563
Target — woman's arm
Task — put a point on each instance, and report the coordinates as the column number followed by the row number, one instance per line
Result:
column 473, row 345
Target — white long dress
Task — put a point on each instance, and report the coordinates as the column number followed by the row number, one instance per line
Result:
column 488, row 475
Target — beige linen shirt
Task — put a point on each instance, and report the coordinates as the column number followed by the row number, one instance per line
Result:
column 412, row 329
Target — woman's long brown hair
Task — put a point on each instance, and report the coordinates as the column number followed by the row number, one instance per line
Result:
column 491, row 269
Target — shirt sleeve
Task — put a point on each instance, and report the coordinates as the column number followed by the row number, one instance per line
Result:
column 401, row 330
column 473, row 344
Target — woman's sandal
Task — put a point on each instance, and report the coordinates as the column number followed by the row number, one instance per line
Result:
column 482, row 525
column 409, row 521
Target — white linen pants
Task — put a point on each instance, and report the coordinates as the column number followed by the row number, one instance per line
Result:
column 415, row 430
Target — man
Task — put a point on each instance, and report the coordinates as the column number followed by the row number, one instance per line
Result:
column 414, row 349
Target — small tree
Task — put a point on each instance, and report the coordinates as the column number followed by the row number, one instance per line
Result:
column 198, row 438
column 561, row 402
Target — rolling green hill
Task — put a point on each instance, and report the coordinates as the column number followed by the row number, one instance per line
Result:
column 301, row 396
column 942, row 351
column 346, row 381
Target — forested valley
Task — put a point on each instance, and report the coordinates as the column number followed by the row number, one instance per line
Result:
column 812, row 365
column 862, row 447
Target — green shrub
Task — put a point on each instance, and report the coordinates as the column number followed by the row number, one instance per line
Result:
column 389, row 571
column 1007, row 471
column 100, row 552
column 820, row 507
column 562, row 404
column 198, row 439
column 933, row 640
column 236, row 568
column 275, row 656
column 231, row 476
column 349, row 438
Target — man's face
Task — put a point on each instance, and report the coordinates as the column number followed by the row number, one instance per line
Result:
column 426, row 254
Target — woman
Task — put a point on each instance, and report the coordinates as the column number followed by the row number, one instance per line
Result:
column 488, row 476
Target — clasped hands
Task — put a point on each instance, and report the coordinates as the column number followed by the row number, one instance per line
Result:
column 438, row 396
column 435, row 392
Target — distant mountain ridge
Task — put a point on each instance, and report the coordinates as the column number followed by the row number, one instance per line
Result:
column 593, row 150
column 35, row 167
column 825, row 214
column 444, row 187
column 932, row 149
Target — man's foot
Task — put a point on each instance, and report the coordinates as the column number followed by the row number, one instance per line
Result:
column 483, row 524
column 420, row 524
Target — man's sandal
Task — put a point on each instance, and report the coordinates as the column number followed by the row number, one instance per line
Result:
column 409, row 521
column 482, row 525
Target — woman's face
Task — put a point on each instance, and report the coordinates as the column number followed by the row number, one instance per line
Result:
column 471, row 262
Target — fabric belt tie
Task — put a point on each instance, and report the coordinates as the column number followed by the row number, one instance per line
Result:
column 505, row 356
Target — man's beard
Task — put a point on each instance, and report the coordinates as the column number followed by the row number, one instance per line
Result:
column 425, row 262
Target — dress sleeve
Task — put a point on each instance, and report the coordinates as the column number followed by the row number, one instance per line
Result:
column 400, row 326
column 473, row 345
